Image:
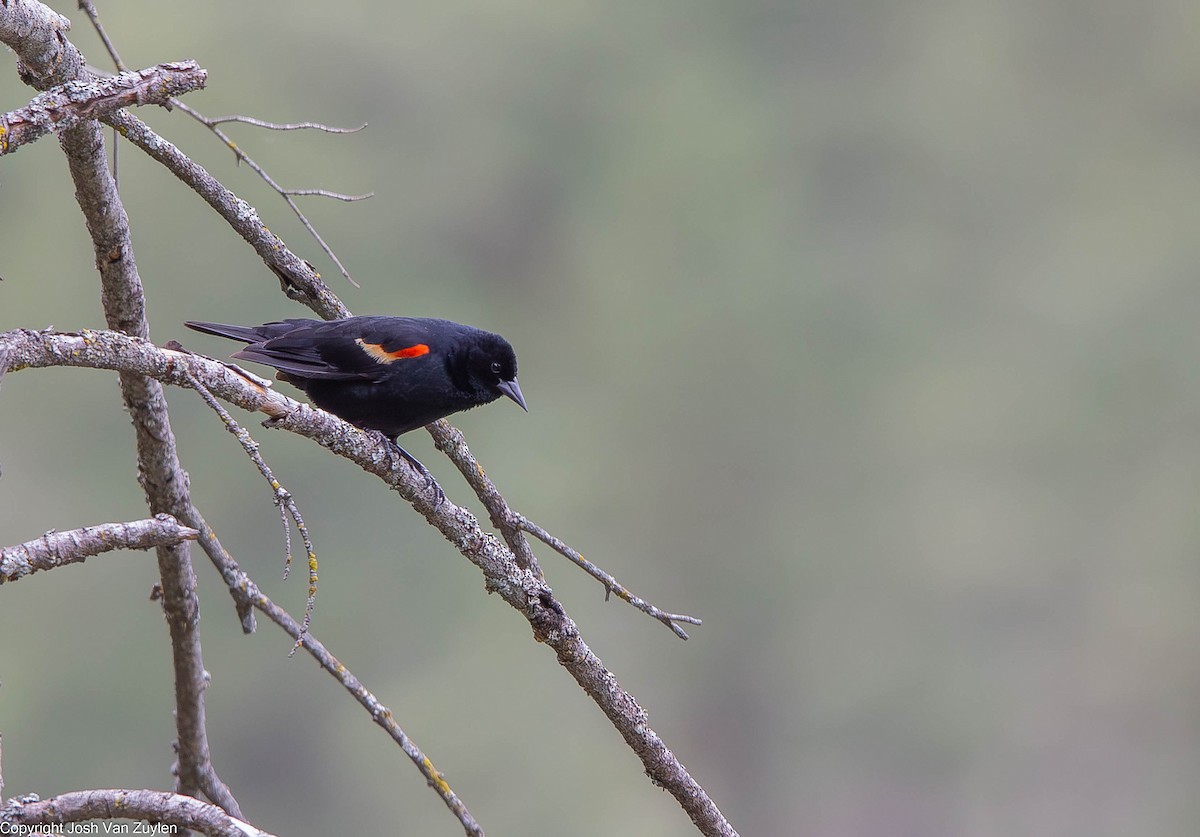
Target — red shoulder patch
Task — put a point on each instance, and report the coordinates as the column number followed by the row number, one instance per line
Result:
column 382, row 355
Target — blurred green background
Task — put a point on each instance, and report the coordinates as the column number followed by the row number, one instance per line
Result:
column 865, row 331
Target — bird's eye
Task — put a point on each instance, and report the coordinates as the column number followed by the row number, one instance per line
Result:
column 496, row 367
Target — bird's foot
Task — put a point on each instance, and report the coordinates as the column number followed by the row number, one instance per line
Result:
column 439, row 496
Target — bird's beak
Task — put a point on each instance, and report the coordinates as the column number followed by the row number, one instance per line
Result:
column 513, row 391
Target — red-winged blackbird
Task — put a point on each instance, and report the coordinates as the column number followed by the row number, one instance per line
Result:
column 391, row 374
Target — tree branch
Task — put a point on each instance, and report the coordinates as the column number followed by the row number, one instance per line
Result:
column 511, row 525
column 284, row 126
column 159, row 472
column 56, row 549
column 66, row 105
column 47, row 59
column 519, row 588
column 23, row 815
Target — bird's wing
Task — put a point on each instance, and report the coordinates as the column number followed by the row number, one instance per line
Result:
column 363, row 348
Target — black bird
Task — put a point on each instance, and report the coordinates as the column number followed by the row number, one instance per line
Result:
column 391, row 374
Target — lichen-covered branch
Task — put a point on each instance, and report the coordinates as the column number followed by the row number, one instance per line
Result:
column 35, row 32
column 159, row 472
column 519, row 588
column 55, row 549
column 66, row 105
column 30, row 815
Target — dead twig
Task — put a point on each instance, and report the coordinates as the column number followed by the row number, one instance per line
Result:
column 511, row 525
column 285, row 126
column 611, row 585
column 243, row 157
column 89, row 8
column 325, row 193
column 283, row 499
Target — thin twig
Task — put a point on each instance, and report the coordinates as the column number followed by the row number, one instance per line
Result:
column 89, row 9
column 242, row 156
column 379, row 713
column 285, row 126
column 283, row 499
column 244, row 589
column 611, row 585
column 297, row 276
column 450, row 441
column 325, row 193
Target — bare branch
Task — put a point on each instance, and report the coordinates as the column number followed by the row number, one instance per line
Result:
column 519, row 588
column 161, row 475
column 325, row 193
column 285, row 126
column 66, row 105
column 47, row 58
column 22, row 815
column 56, row 549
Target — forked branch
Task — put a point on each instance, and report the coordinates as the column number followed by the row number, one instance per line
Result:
column 519, row 588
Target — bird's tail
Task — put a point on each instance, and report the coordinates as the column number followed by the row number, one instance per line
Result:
column 246, row 334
